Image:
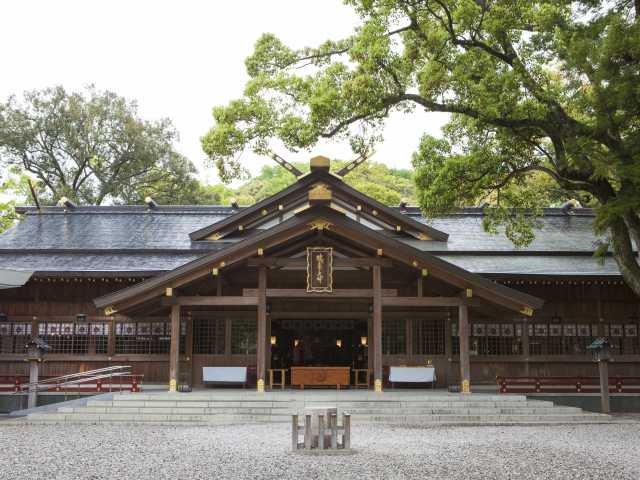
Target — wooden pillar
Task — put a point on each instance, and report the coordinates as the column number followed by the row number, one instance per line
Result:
column 463, row 329
column 189, row 350
column 262, row 327
column 525, row 346
column 377, row 328
column 174, row 352
column 448, row 347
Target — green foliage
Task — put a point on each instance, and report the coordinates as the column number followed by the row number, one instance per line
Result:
column 13, row 189
column 386, row 185
column 92, row 147
column 535, row 88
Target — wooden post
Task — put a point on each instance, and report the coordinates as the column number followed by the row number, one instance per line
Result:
column 262, row 327
column 307, row 432
column 174, row 352
column 334, row 430
column 346, row 437
column 463, row 320
column 377, row 328
column 294, row 432
column 321, row 432
column 603, row 367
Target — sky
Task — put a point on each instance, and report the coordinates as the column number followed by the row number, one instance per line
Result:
column 177, row 59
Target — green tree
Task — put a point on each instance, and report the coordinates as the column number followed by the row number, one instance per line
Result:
column 544, row 87
column 386, row 185
column 92, row 147
column 14, row 189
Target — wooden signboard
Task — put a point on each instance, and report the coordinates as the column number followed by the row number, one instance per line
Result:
column 319, row 269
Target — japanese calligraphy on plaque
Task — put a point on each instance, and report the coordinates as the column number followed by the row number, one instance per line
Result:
column 319, row 269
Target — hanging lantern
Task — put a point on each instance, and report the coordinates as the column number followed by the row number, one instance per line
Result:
column 273, row 339
column 339, row 343
column 363, row 341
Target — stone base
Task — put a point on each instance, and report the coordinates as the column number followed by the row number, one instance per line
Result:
column 327, row 451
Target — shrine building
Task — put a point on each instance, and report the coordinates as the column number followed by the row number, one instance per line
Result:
column 319, row 275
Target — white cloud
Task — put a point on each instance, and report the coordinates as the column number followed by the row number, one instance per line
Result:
column 177, row 59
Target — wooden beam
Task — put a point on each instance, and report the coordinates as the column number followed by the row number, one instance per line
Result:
column 211, row 300
column 463, row 329
column 421, row 301
column 302, row 293
column 377, row 328
column 302, row 262
column 262, row 327
column 174, row 350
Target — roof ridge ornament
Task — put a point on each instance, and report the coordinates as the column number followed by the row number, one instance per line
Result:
column 284, row 163
column 353, row 164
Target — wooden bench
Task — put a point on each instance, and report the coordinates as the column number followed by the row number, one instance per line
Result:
column 617, row 384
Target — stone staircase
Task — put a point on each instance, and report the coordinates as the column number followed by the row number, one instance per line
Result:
column 231, row 406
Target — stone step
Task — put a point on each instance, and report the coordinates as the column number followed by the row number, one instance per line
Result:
column 289, row 410
column 393, row 419
column 319, row 396
column 343, row 404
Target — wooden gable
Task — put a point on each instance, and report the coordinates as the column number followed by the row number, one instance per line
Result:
column 318, row 187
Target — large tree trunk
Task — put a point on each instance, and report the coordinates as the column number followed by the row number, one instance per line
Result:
column 624, row 254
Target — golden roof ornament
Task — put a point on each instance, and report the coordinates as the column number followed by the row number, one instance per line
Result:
column 320, row 192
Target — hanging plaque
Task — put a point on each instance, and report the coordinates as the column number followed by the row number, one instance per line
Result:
column 319, row 269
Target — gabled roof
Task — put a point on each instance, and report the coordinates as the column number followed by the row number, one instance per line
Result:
column 302, row 223
column 296, row 196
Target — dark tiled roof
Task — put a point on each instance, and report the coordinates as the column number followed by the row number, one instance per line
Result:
column 143, row 264
column 139, row 239
column 583, row 265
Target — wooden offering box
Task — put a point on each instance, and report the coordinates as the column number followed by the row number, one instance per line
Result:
column 320, row 376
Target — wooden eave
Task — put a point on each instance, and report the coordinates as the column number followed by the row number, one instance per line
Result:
column 336, row 223
column 297, row 193
column 250, row 214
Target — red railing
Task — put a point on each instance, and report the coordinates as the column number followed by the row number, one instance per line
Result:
column 617, row 384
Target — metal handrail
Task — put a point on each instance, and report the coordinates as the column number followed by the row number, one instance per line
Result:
column 72, row 378
column 80, row 381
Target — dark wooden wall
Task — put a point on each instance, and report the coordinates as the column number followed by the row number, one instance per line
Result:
column 593, row 301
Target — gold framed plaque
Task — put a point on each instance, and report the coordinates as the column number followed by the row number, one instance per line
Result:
column 319, row 269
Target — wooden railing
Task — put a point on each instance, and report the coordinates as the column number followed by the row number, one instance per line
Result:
column 617, row 384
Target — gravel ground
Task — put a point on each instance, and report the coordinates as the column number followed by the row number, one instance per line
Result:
column 260, row 451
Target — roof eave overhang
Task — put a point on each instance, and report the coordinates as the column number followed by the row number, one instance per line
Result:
column 341, row 225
